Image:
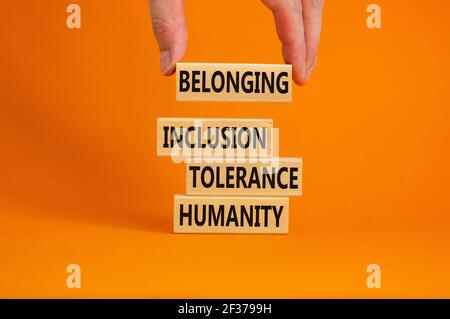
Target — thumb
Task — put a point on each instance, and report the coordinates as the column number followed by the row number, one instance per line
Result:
column 170, row 31
column 289, row 22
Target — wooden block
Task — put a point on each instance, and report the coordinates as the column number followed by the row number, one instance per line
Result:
column 234, row 82
column 276, row 177
column 215, row 138
column 231, row 215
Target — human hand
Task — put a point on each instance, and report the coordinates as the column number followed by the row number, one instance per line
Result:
column 298, row 24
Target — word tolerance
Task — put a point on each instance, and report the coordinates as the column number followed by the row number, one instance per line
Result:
column 280, row 177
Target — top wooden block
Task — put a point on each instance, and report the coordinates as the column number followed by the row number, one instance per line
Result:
column 234, row 82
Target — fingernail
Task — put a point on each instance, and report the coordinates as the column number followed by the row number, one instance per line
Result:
column 308, row 74
column 310, row 68
column 165, row 62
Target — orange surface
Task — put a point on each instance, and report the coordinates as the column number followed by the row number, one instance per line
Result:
column 81, row 183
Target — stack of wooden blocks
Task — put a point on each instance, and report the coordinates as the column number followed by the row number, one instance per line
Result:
column 235, row 183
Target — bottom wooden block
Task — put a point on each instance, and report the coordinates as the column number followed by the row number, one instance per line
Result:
column 231, row 215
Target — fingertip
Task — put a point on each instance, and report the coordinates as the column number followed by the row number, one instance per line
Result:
column 169, row 58
column 295, row 56
column 169, row 71
column 300, row 79
column 310, row 68
column 299, row 74
column 166, row 62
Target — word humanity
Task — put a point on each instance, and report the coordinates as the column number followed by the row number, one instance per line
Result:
column 207, row 214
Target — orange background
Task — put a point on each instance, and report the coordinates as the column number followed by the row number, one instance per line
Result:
column 81, row 183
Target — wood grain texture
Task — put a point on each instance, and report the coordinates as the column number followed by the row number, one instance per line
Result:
column 199, row 136
column 231, row 215
column 233, row 82
column 246, row 179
